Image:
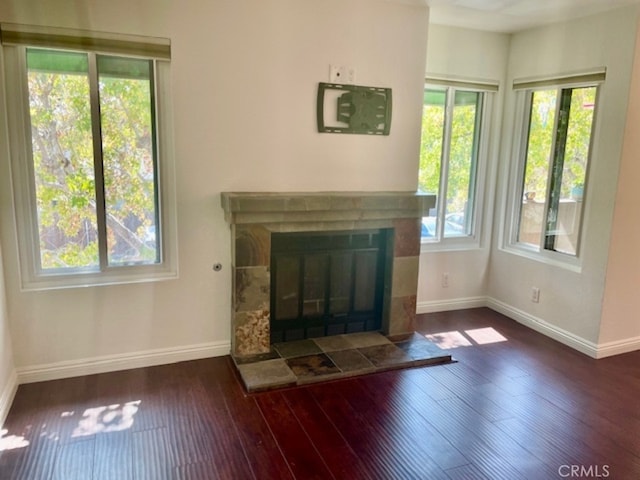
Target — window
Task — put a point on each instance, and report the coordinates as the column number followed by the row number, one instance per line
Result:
column 450, row 157
column 95, row 210
column 557, row 131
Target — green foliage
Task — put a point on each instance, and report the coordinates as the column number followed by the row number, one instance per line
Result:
column 71, row 255
column 540, row 144
column 63, row 156
column 578, row 139
column 461, row 156
column 431, row 148
column 461, row 148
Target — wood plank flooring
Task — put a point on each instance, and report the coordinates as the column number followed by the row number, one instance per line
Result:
column 516, row 405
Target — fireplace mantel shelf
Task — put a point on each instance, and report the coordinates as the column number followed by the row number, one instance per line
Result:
column 293, row 207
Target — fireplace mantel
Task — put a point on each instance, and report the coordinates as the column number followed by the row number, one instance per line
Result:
column 243, row 208
column 254, row 216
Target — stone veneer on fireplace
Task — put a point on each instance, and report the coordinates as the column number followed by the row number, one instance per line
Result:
column 254, row 216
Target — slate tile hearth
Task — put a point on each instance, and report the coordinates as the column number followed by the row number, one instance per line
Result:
column 340, row 356
column 312, row 366
column 298, row 348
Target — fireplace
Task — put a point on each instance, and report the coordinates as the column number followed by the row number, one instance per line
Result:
column 327, row 283
column 342, row 228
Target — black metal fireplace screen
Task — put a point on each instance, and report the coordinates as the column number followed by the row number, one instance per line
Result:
column 326, row 283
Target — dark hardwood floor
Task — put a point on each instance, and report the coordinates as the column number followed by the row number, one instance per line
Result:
column 515, row 405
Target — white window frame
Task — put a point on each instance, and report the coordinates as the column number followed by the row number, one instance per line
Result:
column 523, row 89
column 472, row 241
column 21, row 164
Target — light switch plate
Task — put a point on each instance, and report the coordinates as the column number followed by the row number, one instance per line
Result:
column 342, row 75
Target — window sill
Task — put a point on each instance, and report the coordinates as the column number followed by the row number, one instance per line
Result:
column 554, row 259
column 449, row 245
column 97, row 279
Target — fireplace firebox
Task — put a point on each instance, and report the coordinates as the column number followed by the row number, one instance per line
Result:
column 327, row 283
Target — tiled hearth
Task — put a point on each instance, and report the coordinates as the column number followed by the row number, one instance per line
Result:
column 253, row 217
column 331, row 358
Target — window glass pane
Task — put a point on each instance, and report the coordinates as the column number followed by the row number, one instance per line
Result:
column 433, row 118
column 60, row 115
column 539, row 144
column 128, row 136
column 556, row 166
column 576, row 155
column 462, row 160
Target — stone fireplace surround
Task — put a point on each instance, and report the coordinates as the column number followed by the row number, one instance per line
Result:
column 253, row 216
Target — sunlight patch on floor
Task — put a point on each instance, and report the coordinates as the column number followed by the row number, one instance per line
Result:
column 466, row 338
column 107, row 418
column 11, row 442
column 483, row 336
column 448, row 340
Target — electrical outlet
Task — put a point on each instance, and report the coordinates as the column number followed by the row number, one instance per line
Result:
column 535, row 294
column 445, row 280
column 342, row 74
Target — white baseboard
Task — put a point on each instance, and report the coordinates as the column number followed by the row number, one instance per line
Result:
column 540, row 326
column 594, row 350
column 149, row 358
column 616, row 348
column 453, row 304
column 112, row 363
column 6, row 396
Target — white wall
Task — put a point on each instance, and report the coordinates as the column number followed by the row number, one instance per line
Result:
column 470, row 55
column 244, row 79
column 7, row 368
column 620, row 325
column 575, row 307
column 570, row 302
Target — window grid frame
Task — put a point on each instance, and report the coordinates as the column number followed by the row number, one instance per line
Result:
column 22, row 172
column 478, row 168
column 522, row 114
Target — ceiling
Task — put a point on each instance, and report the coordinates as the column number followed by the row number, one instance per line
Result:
column 510, row 16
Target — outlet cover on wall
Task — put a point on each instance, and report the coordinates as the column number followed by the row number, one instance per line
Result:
column 535, row 294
